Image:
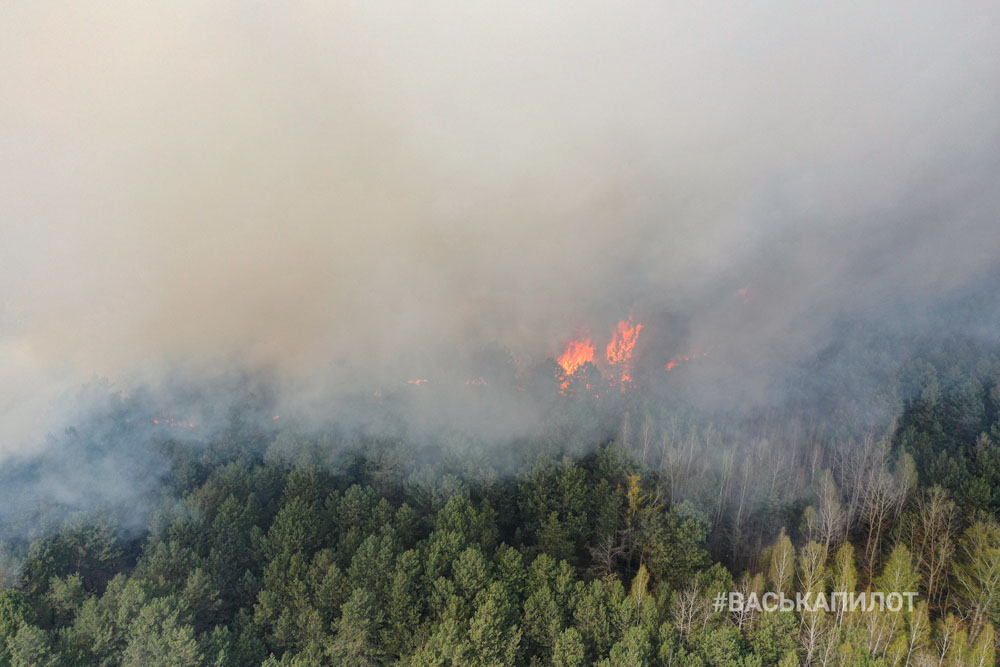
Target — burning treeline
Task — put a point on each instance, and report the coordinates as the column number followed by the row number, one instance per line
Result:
column 619, row 358
column 587, row 364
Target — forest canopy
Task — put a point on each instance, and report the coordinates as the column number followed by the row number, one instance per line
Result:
column 275, row 547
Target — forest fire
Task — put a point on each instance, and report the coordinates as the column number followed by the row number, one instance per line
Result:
column 578, row 352
column 619, row 350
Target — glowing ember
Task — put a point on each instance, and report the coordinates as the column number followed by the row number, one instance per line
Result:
column 419, row 381
column 275, row 418
column 672, row 364
column 619, row 350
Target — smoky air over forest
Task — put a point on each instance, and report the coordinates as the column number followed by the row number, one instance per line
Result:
column 409, row 220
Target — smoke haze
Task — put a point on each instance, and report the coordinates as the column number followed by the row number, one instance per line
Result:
column 364, row 192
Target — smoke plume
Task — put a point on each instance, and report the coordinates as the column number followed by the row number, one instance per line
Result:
column 348, row 196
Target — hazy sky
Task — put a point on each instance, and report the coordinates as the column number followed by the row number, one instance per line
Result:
column 296, row 184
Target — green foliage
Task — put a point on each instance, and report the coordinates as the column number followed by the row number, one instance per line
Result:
column 569, row 650
column 494, row 636
column 15, row 610
column 298, row 558
column 554, row 503
column 160, row 637
column 92, row 551
column 675, row 544
column 976, row 572
column 32, row 647
column 634, row 650
column 64, row 598
column 774, row 636
column 355, row 641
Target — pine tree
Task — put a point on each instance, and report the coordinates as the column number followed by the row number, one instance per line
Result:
column 160, row 638
column 31, row 647
column 569, row 649
column 356, row 641
column 494, row 636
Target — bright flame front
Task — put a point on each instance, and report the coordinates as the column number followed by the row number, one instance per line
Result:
column 578, row 352
column 619, row 350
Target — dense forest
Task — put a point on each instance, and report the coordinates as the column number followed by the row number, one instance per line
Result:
column 273, row 547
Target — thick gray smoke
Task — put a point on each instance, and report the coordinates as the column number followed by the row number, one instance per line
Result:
column 351, row 195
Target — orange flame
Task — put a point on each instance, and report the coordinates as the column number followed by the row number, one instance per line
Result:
column 420, row 381
column 578, row 352
column 672, row 364
column 619, row 350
